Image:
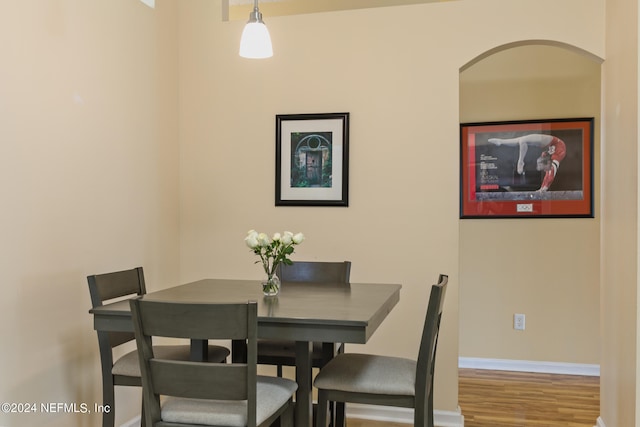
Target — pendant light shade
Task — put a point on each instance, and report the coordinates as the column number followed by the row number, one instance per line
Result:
column 255, row 42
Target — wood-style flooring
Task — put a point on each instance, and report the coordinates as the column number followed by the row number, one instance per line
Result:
column 517, row 399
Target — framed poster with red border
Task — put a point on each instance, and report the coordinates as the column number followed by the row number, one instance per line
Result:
column 527, row 169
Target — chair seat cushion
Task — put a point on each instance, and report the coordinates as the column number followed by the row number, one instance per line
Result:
column 272, row 394
column 129, row 365
column 365, row 373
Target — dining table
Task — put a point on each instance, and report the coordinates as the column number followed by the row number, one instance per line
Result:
column 301, row 312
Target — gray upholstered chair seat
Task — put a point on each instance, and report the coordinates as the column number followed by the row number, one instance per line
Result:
column 129, row 365
column 272, row 394
column 366, row 373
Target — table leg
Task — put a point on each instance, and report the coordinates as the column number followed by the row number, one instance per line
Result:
column 238, row 351
column 304, row 400
column 199, row 350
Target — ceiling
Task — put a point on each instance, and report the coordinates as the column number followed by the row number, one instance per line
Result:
column 240, row 9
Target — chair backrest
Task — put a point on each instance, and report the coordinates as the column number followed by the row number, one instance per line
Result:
column 104, row 287
column 427, row 354
column 109, row 286
column 312, row 271
column 198, row 380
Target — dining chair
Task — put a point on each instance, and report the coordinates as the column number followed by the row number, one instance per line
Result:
column 282, row 352
column 179, row 393
column 386, row 380
column 125, row 370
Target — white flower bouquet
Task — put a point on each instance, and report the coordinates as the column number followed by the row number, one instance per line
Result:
column 272, row 252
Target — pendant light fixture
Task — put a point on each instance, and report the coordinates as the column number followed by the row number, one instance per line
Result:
column 255, row 42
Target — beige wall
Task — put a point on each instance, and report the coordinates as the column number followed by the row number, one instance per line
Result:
column 398, row 75
column 88, row 184
column 619, row 278
column 547, row 269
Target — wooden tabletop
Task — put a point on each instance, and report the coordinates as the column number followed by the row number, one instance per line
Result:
column 301, row 311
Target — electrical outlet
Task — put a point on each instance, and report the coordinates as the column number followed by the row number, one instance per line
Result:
column 518, row 322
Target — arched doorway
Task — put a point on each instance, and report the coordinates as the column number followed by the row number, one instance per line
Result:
column 546, row 269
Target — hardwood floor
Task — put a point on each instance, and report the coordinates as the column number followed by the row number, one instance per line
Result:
column 517, row 399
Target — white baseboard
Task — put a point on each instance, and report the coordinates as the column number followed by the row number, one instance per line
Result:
column 600, row 423
column 402, row 415
column 530, row 366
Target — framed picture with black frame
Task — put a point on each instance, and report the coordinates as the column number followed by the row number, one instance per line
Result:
column 312, row 159
column 527, row 169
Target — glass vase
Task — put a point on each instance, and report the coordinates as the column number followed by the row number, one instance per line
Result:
column 271, row 286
